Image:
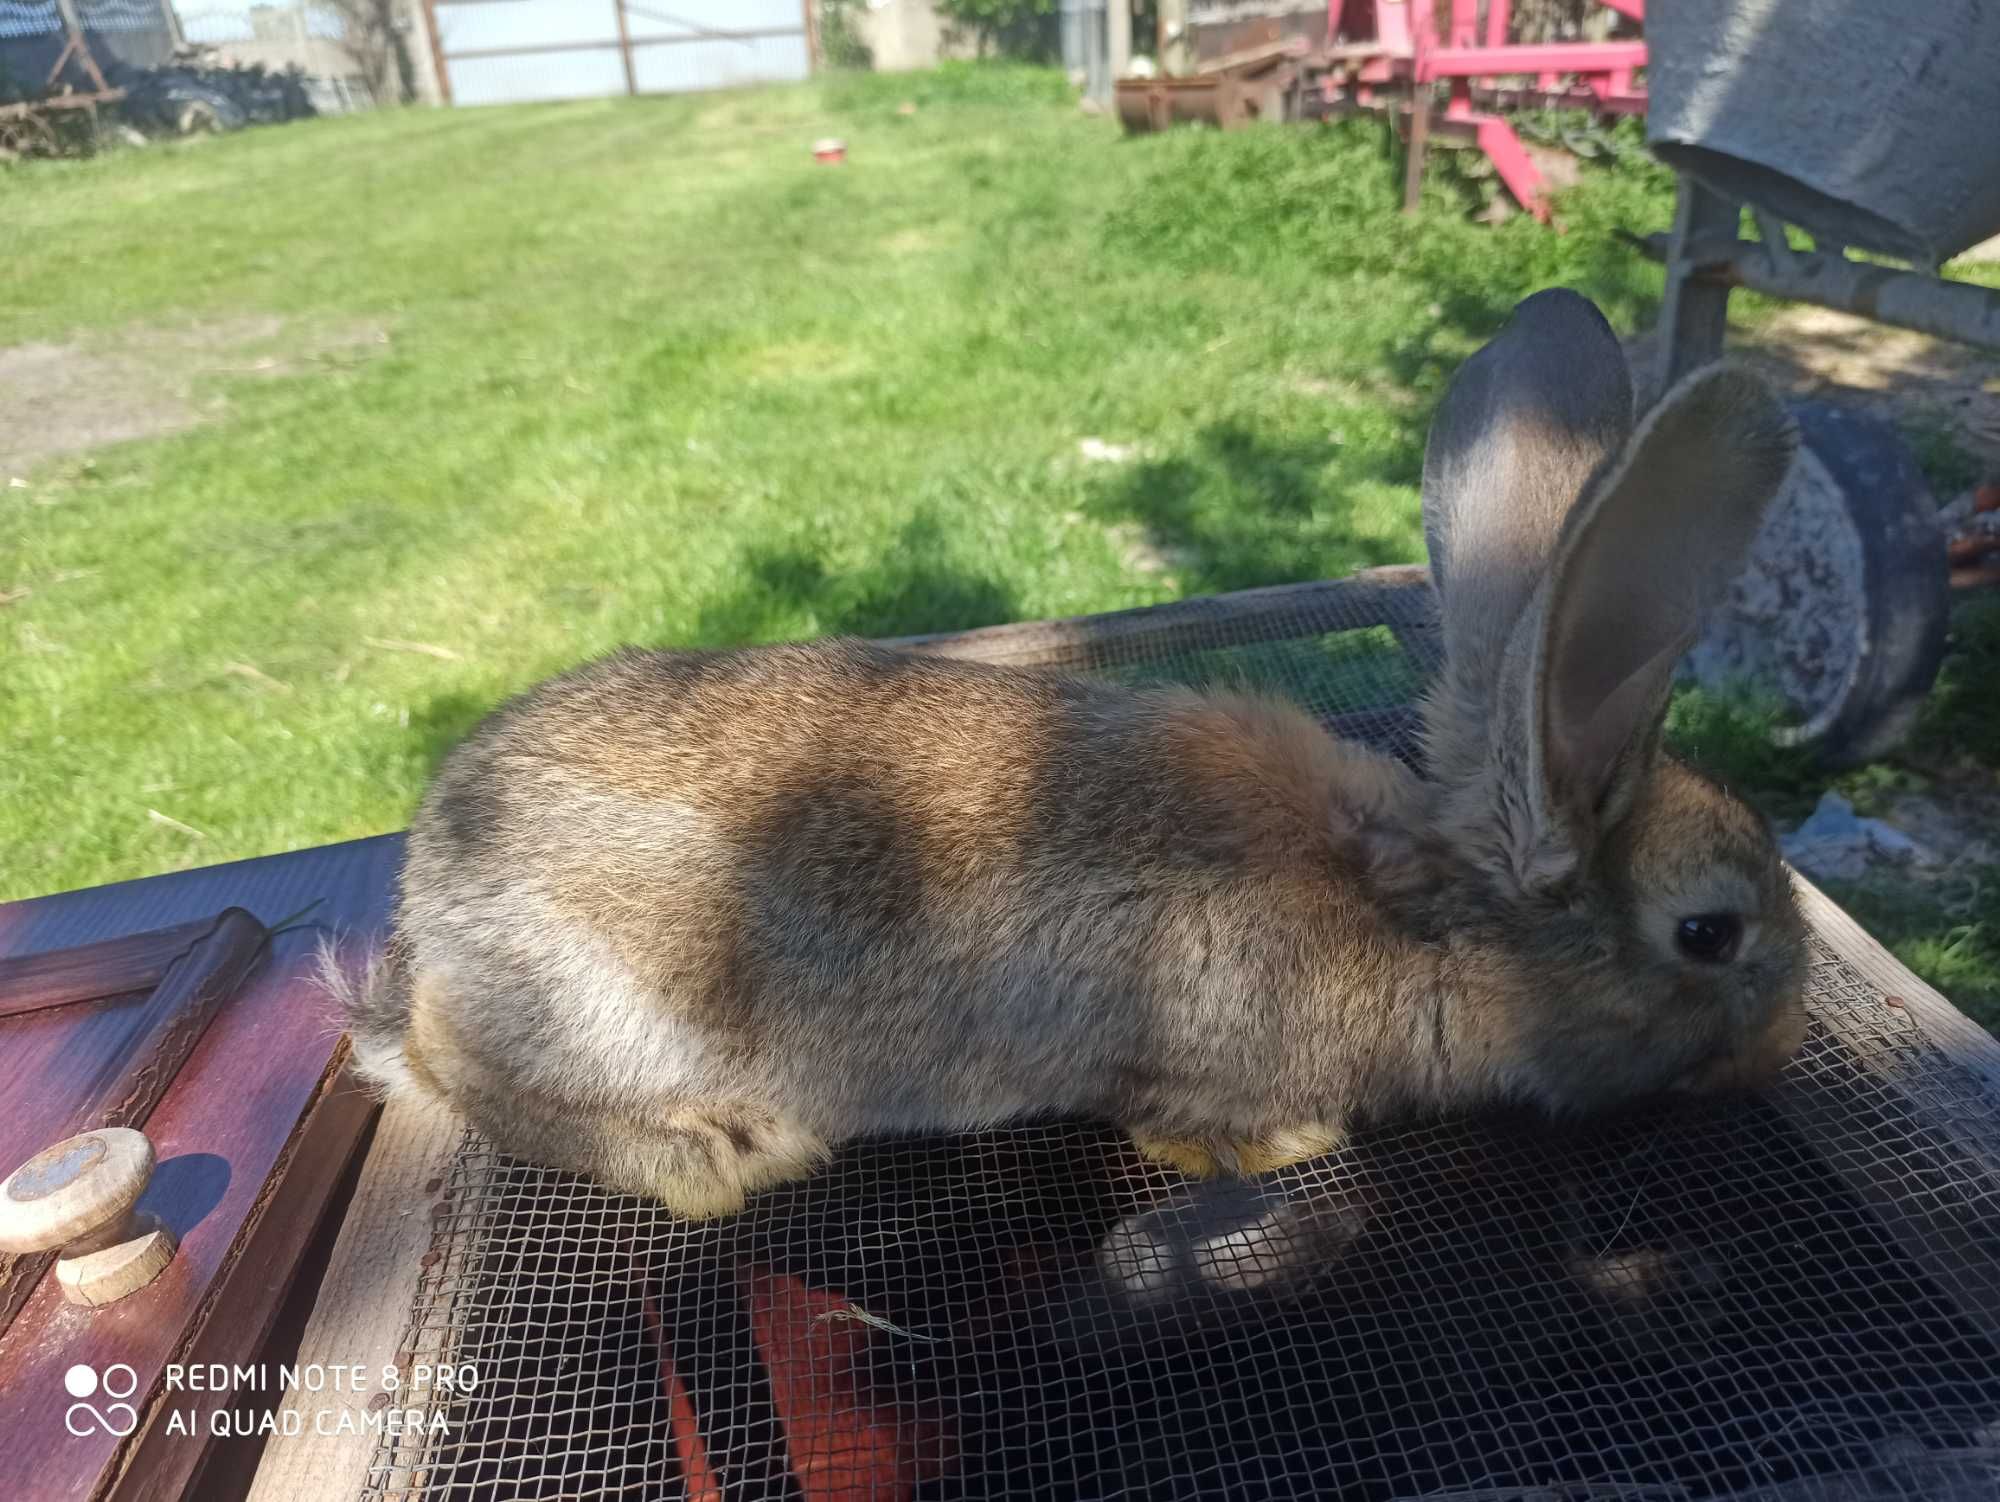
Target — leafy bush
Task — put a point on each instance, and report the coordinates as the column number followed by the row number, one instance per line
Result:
column 840, row 42
column 1948, row 466
column 1301, row 205
column 1961, row 719
column 1728, row 735
column 1013, row 28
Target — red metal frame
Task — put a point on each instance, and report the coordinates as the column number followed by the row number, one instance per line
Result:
column 1388, row 53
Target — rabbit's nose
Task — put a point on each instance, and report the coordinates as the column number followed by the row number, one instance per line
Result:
column 1751, row 1064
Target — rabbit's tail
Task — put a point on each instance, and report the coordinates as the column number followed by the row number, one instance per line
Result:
column 375, row 1004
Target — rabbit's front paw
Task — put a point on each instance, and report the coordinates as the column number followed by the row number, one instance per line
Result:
column 1206, row 1158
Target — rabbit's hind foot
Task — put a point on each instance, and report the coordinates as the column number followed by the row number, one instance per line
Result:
column 1207, row 1158
column 705, row 1161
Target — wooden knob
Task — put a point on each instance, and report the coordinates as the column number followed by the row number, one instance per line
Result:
column 78, row 1198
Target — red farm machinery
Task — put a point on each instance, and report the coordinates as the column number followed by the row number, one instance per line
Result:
column 1387, row 56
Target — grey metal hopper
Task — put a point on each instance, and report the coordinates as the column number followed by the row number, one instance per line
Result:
column 1867, row 123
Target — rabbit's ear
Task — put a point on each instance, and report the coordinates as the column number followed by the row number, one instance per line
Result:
column 1524, row 425
column 1649, row 550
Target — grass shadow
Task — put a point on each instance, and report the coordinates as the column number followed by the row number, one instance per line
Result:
column 922, row 581
column 1238, row 508
column 442, row 722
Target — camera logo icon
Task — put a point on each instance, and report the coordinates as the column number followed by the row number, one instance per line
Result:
column 116, row 1418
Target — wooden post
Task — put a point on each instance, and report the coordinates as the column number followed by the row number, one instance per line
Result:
column 625, row 47
column 440, row 65
column 1118, row 22
column 78, row 46
column 1420, row 136
column 1694, row 314
column 1175, row 49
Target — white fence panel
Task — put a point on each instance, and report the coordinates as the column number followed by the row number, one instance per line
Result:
column 507, row 51
column 688, row 66
column 524, row 25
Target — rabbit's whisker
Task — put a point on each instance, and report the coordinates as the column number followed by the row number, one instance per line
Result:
column 1648, row 1156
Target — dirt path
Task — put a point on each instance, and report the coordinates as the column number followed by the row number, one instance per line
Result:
column 143, row 382
column 1912, row 379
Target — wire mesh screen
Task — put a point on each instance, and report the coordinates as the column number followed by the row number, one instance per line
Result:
column 1791, row 1297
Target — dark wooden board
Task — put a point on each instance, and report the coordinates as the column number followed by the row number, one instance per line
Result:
column 251, row 1135
column 159, row 1464
column 107, row 1063
column 89, row 972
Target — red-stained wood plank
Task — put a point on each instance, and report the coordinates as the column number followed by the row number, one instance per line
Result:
column 819, row 1354
column 228, row 1121
column 698, row 1479
column 161, row 1464
column 75, row 1071
column 250, row 1136
column 90, row 972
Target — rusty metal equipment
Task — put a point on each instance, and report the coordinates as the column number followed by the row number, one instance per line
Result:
column 1392, row 57
column 28, row 127
column 1864, row 124
column 1836, row 122
column 1831, row 119
column 1262, row 82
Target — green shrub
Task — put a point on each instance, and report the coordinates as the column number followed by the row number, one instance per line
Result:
column 1012, row 28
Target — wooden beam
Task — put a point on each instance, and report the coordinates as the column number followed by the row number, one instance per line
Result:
column 251, row 1144
column 1924, row 304
column 1398, row 596
column 135, row 1051
column 1954, row 1253
column 1957, row 1036
column 79, row 45
column 440, row 64
column 1418, row 145
column 1694, row 313
column 60, row 102
column 91, row 972
column 161, row 1463
column 625, row 47
column 1118, row 23
column 363, row 1306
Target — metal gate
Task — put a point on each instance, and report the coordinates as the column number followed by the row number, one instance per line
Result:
column 510, row 51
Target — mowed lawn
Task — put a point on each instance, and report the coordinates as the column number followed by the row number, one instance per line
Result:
column 459, row 398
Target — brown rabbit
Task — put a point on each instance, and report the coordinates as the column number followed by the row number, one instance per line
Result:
column 682, row 920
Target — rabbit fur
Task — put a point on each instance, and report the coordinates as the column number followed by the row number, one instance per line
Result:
column 683, row 921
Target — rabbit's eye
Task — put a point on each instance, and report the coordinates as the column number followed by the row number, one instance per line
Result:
column 1710, row 937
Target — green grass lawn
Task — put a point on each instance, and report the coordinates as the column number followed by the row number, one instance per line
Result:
column 651, row 374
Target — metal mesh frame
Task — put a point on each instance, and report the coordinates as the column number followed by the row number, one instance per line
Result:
column 1787, row 1298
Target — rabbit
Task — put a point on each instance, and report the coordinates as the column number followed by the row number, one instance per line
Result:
column 683, row 921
